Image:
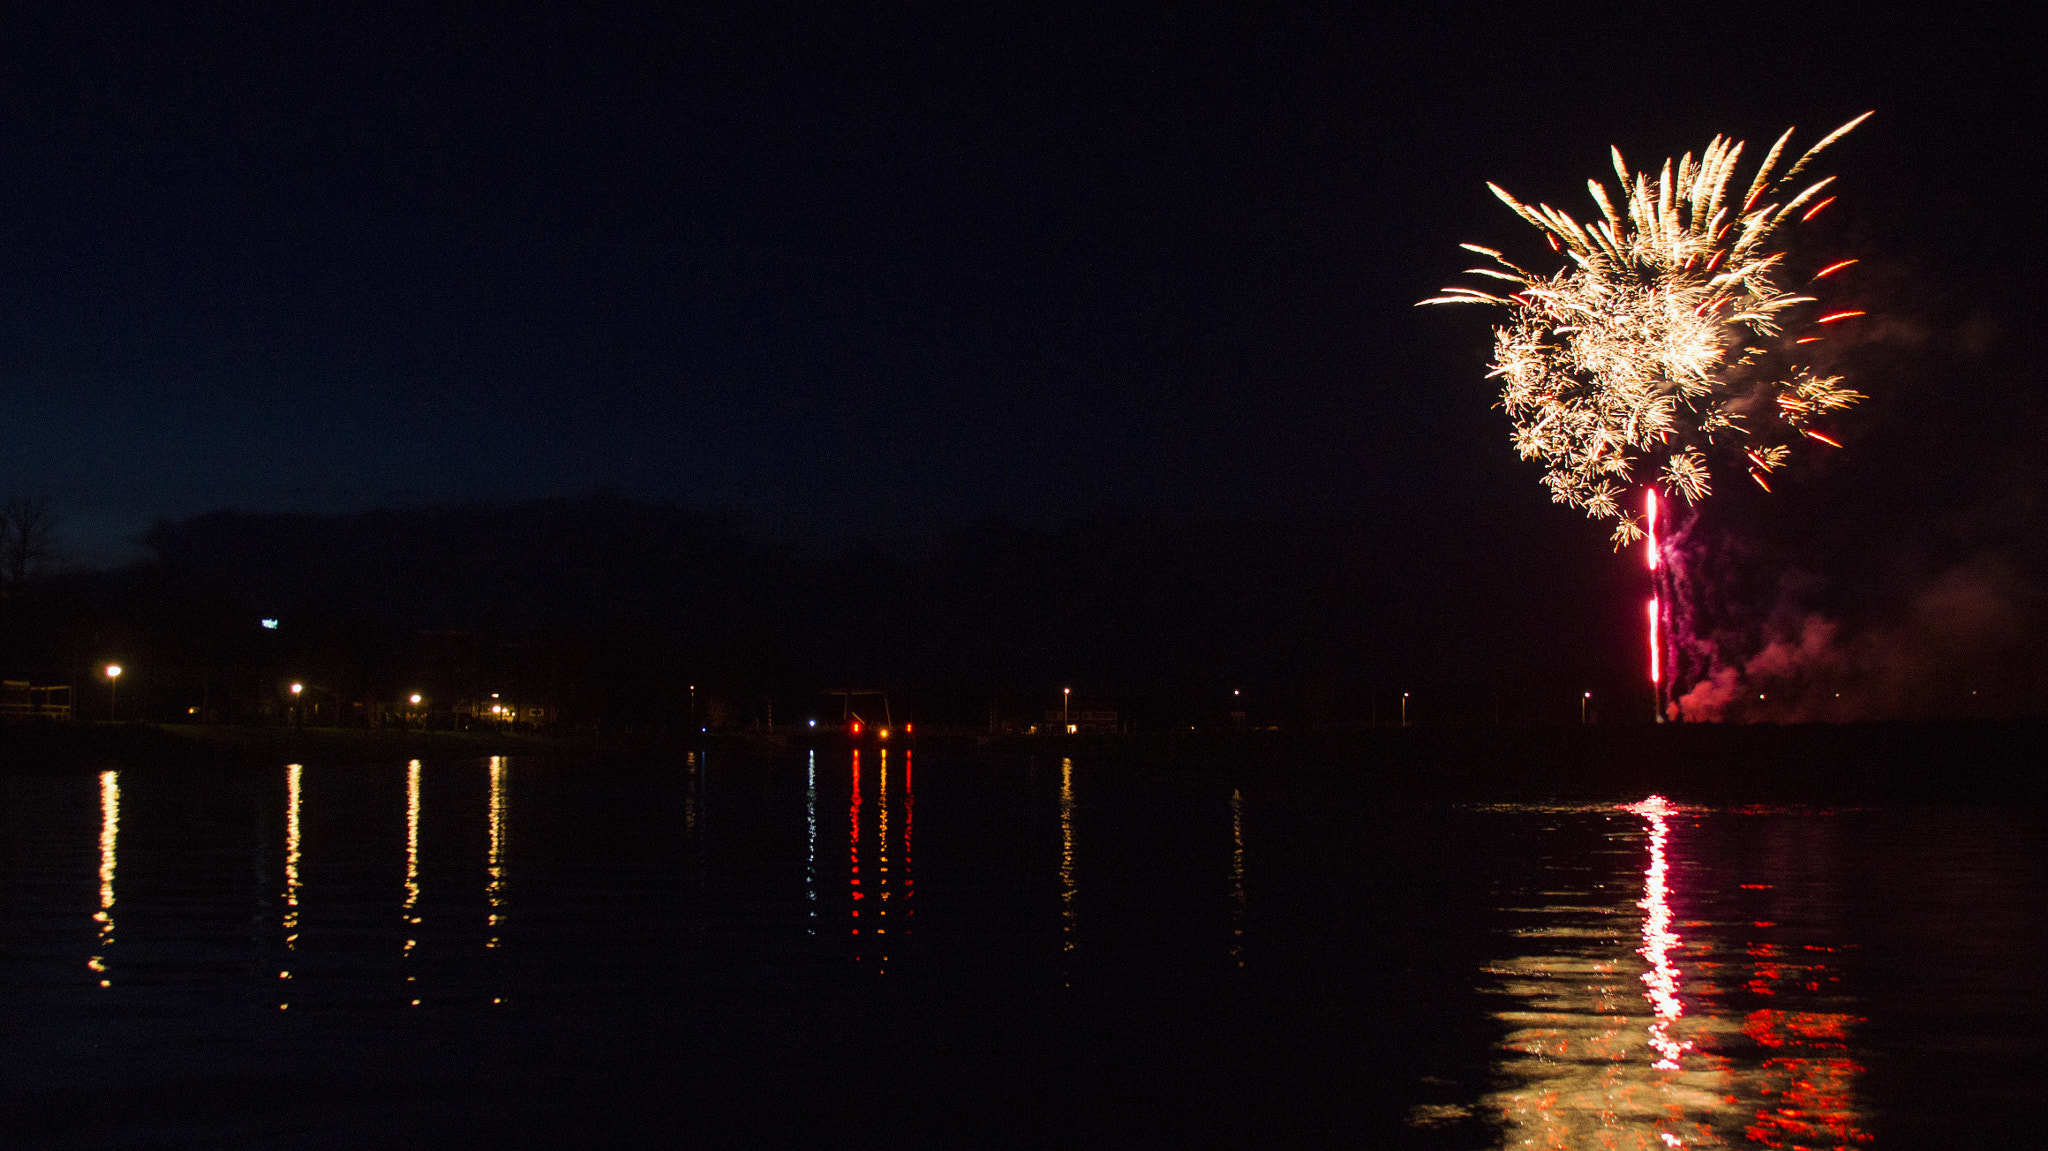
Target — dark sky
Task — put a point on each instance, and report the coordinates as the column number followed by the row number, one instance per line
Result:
column 879, row 276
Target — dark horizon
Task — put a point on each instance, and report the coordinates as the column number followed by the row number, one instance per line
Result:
column 606, row 608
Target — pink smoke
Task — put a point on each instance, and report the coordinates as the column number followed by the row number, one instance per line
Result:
column 1949, row 654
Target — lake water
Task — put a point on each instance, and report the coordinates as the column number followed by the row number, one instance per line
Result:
column 921, row 950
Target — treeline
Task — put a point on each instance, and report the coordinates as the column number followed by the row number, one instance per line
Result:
column 617, row 611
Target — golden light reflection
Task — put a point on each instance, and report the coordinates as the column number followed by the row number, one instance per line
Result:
column 1067, row 907
column 690, row 793
column 293, row 775
column 881, row 876
column 811, row 839
column 1237, row 898
column 410, row 910
column 494, row 887
column 1614, row 1045
column 1597, row 1062
column 110, row 837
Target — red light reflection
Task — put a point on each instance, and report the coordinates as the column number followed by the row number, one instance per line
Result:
column 853, row 819
column 1724, row 1055
column 881, row 894
column 909, row 882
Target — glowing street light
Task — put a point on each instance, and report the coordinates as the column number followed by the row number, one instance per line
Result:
column 415, row 697
column 1584, row 699
column 1404, row 709
column 113, row 681
column 1066, row 697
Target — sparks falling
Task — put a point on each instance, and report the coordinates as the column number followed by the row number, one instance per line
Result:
column 1665, row 335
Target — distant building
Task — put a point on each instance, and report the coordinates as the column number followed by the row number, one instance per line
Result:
column 1093, row 721
column 482, row 713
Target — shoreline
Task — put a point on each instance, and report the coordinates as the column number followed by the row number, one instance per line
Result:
column 1979, row 761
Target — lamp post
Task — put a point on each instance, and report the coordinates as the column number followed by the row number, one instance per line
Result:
column 298, row 718
column 1404, row 709
column 1066, row 697
column 113, row 681
column 1584, row 699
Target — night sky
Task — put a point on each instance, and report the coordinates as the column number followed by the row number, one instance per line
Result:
column 876, row 277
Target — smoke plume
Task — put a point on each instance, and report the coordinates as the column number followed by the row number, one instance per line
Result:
column 1955, row 648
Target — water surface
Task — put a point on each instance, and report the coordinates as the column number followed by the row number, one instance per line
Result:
column 923, row 950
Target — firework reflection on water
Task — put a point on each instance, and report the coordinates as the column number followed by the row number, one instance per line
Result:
column 1626, row 1030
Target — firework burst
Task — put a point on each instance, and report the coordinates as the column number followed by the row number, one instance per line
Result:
column 1665, row 336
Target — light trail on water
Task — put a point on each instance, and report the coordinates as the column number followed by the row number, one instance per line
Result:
column 293, row 776
column 1659, row 941
column 110, row 838
column 494, row 888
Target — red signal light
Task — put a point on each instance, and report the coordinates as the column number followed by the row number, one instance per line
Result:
column 906, row 729
column 856, row 727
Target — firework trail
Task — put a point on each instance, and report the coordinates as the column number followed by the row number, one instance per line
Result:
column 1665, row 335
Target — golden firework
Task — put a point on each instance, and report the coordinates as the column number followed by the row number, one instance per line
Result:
column 1662, row 332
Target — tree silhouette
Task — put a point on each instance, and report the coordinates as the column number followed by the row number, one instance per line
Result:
column 28, row 532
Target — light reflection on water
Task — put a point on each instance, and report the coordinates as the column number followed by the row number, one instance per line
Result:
column 1656, row 975
column 110, row 840
column 880, row 926
column 853, row 834
column 884, row 889
column 811, row 836
column 494, row 890
column 1068, row 911
column 1237, row 896
column 1611, row 1047
column 293, row 777
column 1659, row 941
column 409, row 910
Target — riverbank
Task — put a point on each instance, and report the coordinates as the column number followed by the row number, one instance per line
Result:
column 1993, row 762
column 1984, row 761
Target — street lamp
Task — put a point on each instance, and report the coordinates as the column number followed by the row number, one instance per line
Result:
column 296, row 689
column 1583, row 701
column 1404, row 709
column 1066, row 697
column 113, row 681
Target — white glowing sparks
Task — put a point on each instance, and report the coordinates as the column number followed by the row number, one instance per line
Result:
column 1661, row 332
